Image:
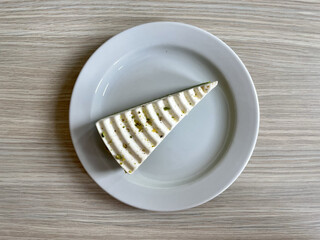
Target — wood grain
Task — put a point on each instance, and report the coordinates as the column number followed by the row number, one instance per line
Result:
column 46, row 194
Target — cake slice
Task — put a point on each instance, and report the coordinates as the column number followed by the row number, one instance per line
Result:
column 132, row 135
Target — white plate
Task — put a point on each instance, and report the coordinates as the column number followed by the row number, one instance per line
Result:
column 205, row 153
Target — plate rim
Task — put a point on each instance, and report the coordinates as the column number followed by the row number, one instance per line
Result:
column 257, row 116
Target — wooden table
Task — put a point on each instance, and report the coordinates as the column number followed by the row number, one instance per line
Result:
column 46, row 194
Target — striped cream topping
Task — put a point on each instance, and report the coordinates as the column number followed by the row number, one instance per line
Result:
column 132, row 135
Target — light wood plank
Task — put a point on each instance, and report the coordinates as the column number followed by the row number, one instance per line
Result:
column 46, row 194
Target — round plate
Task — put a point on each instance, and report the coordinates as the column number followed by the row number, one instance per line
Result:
column 208, row 149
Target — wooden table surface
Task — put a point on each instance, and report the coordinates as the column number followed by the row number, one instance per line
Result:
column 46, row 194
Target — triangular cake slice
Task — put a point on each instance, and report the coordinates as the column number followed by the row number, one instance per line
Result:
column 132, row 135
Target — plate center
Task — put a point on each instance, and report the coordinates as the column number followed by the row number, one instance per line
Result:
column 199, row 140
